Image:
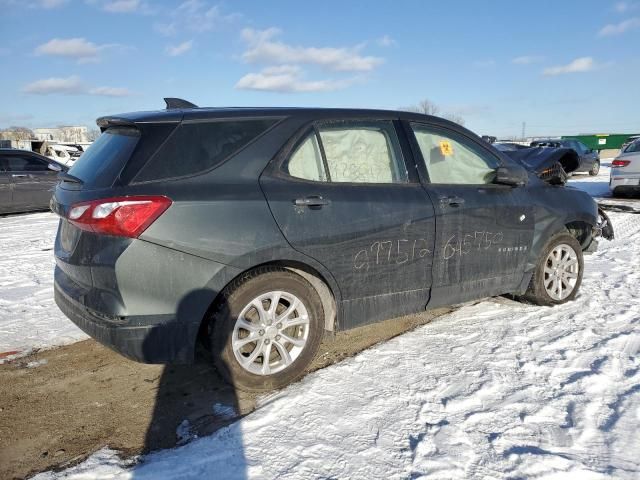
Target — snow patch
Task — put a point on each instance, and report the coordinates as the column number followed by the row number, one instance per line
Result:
column 496, row 389
column 29, row 317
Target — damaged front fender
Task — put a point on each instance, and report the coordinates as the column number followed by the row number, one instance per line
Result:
column 604, row 227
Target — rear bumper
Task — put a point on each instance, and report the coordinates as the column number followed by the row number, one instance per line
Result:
column 630, row 181
column 151, row 339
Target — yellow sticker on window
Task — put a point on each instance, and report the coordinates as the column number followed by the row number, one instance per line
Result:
column 446, row 148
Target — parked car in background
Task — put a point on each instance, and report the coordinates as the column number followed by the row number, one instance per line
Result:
column 629, row 141
column 255, row 230
column 624, row 178
column 62, row 154
column 26, row 180
column 589, row 159
column 509, row 146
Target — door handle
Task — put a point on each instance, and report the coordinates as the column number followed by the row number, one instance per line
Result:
column 311, row 201
column 19, row 175
column 452, row 201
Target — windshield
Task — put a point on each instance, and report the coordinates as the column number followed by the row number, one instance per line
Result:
column 100, row 165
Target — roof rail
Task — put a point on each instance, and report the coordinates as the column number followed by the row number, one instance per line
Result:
column 178, row 103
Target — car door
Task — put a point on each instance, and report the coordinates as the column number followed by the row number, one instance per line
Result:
column 483, row 230
column 345, row 197
column 33, row 181
column 588, row 157
column 6, row 200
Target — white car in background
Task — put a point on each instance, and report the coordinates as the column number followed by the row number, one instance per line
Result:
column 625, row 171
column 62, row 154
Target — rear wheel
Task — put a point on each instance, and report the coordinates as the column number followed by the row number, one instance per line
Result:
column 595, row 169
column 267, row 329
column 558, row 274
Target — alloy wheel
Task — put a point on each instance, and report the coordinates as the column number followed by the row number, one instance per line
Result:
column 561, row 271
column 270, row 333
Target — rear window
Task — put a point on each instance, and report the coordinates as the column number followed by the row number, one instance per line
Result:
column 103, row 160
column 633, row 147
column 199, row 146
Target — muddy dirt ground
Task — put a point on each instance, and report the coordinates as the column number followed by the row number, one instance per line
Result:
column 83, row 397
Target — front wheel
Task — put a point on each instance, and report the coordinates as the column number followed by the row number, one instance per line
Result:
column 595, row 169
column 558, row 273
column 267, row 329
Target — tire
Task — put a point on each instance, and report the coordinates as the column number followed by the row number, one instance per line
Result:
column 595, row 169
column 240, row 332
column 537, row 292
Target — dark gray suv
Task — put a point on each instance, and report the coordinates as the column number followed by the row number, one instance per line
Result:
column 255, row 230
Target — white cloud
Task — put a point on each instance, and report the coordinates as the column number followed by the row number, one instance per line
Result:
column 619, row 28
column 583, row 64
column 77, row 48
column 45, row 4
column 68, row 86
column 527, row 59
column 122, row 6
column 262, row 48
column 72, row 85
column 386, row 41
column 288, row 79
column 174, row 51
column 110, row 91
column 194, row 16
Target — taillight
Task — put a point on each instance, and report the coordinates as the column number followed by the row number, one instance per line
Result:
column 620, row 163
column 121, row 216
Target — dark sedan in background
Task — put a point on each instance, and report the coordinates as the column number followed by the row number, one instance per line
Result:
column 26, row 180
column 589, row 159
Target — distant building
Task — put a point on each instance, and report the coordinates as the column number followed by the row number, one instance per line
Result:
column 67, row 134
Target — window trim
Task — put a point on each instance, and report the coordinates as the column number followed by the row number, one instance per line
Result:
column 421, row 164
column 314, row 126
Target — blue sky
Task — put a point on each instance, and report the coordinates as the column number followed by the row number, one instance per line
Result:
column 561, row 67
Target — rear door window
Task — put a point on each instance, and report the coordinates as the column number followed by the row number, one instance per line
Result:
column 350, row 152
column 306, row 161
column 195, row 147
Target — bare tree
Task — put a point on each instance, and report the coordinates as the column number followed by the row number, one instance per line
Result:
column 16, row 133
column 427, row 107
column 454, row 117
column 93, row 134
column 424, row 106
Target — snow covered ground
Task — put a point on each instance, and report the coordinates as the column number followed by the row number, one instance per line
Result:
column 494, row 390
column 29, row 318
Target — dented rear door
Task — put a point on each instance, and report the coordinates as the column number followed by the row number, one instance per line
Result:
column 373, row 230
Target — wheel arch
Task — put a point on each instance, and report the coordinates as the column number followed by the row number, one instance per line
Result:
column 322, row 282
column 582, row 231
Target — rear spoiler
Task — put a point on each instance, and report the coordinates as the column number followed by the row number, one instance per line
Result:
column 132, row 120
column 106, row 122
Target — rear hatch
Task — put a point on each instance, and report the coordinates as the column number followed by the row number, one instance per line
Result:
column 85, row 255
column 127, row 179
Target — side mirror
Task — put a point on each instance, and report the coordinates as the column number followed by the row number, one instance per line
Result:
column 55, row 167
column 513, row 175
